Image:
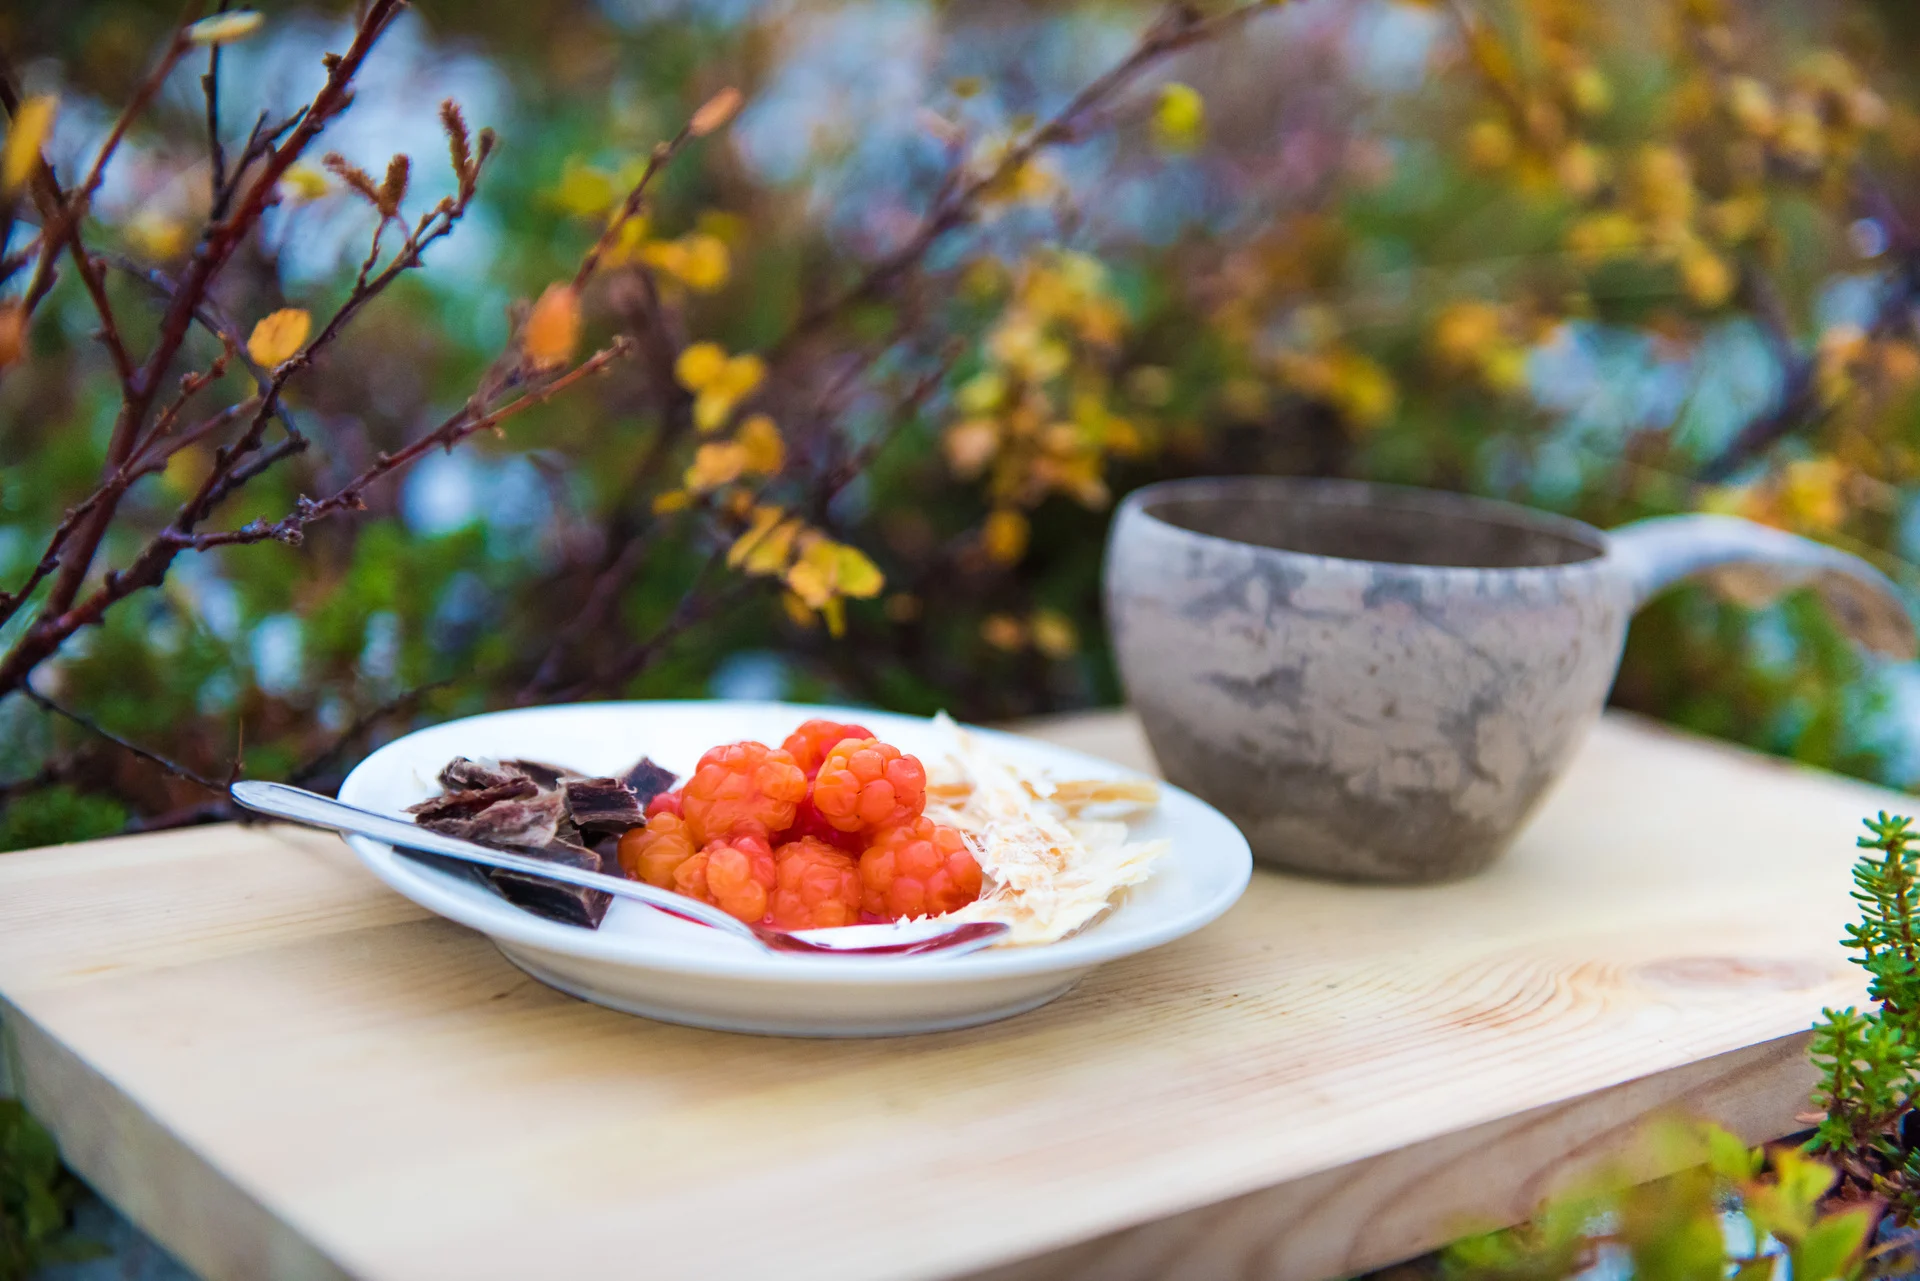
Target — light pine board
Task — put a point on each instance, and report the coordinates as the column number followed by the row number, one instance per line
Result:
column 279, row 1068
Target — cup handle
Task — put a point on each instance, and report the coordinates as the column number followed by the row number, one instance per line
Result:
column 1753, row 564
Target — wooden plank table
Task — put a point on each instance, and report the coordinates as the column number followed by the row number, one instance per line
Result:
column 279, row 1068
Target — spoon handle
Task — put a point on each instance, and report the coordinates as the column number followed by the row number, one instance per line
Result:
column 297, row 805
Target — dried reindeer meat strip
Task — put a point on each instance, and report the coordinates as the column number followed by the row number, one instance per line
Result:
column 568, row 903
column 648, row 780
column 602, row 803
column 463, row 774
column 467, row 804
column 533, row 821
column 544, row 776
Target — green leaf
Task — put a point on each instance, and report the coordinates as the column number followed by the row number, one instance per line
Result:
column 1830, row 1247
column 1730, row 1157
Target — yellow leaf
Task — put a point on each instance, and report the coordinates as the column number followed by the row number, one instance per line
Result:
column 705, row 263
column 1599, row 237
column 303, row 182
column 1590, row 92
column 277, row 337
column 674, row 500
column 1706, row 277
column 1464, row 330
column 698, row 261
column 1751, row 105
column 553, row 327
column 764, row 548
column 714, row 465
column 1179, row 117
column 225, row 28
column 1490, row 145
column 156, row 235
column 629, row 243
column 722, row 383
column 584, row 191
column 835, row 612
column 699, row 365
column 1004, row 536
column 855, row 575
column 766, row 452
column 1362, row 389
column 797, row 610
column 981, row 393
column 715, row 112
column 186, row 469
column 811, row 581
column 741, row 375
column 710, row 410
column 31, row 123
column 1054, row 634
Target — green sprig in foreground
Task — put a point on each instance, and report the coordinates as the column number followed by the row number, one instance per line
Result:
column 1817, row 1206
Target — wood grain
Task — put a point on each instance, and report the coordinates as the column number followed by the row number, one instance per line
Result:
column 279, row 1068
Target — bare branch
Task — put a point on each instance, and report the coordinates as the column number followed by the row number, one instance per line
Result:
column 100, row 731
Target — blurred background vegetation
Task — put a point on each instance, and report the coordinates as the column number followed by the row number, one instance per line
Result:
column 1610, row 257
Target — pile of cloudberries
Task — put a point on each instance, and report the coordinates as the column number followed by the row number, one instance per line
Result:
column 825, row 830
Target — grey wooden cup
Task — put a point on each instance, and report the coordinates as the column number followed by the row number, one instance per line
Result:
column 1379, row 683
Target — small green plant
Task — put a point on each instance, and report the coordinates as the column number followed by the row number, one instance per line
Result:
column 1868, row 1060
column 1677, row 1228
column 36, row 1199
column 1817, row 1206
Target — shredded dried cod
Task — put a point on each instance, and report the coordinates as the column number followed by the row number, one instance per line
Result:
column 1055, row 853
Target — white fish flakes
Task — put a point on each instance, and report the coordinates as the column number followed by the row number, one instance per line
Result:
column 1054, row 854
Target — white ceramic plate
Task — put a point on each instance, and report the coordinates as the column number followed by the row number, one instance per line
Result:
column 645, row 962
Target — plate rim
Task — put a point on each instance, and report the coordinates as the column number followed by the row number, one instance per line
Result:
column 423, row 885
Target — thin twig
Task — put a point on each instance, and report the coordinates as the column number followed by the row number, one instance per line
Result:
column 216, row 155
column 100, row 731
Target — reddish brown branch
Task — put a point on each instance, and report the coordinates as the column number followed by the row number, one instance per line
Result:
column 218, row 242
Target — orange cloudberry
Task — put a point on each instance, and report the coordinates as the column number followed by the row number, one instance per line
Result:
column 736, row 875
column 810, row 744
column 819, row 886
column 742, row 787
column 865, row 784
column 653, row 853
column 918, row 869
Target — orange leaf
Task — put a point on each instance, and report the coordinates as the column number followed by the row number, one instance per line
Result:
column 715, row 112
column 13, row 333
column 553, row 328
column 278, row 337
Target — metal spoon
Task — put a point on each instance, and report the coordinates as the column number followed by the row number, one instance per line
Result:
column 298, row 805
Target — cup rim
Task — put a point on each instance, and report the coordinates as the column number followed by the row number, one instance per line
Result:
column 1404, row 497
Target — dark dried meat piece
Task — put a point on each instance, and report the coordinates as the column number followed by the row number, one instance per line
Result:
column 602, row 804
column 544, row 776
column 648, row 780
column 463, row 774
column 466, row 804
column 532, row 821
column 568, row 903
